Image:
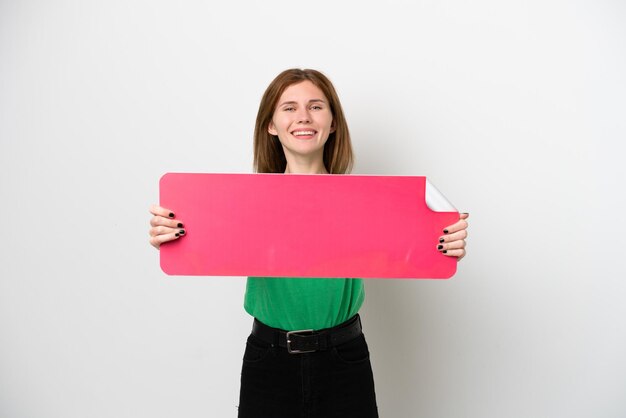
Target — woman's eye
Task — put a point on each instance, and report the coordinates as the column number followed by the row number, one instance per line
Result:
column 289, row 108
column 316, row 107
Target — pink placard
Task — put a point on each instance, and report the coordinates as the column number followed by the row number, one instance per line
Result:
column 294, row 225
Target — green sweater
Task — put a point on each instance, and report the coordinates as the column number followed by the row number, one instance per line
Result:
column 293, row 304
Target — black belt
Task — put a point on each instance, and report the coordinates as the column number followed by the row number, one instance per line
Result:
column 307, row 341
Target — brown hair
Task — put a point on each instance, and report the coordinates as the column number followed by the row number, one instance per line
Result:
column 269, row 156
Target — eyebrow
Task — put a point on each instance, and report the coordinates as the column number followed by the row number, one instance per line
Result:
column 310, row 101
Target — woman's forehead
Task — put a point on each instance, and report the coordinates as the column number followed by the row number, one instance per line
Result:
column 304, row 90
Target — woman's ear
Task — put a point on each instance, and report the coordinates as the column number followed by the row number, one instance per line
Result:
column 333, row 128
column 271, row 129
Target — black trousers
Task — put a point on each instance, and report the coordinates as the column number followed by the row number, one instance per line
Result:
column 337, row 382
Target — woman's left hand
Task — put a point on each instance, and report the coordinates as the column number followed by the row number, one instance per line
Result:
column 452, row 242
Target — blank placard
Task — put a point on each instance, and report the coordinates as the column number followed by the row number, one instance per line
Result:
column 295, row 225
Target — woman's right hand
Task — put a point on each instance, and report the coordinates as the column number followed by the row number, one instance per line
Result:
column 164, row 227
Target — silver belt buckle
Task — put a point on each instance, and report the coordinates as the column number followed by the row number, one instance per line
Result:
column 289, row 349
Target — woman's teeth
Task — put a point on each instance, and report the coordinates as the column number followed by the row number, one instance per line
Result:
column 304, row 133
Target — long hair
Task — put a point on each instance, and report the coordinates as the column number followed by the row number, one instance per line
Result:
column 269, row 156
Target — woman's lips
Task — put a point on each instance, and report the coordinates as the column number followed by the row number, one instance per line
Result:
column 304, row 133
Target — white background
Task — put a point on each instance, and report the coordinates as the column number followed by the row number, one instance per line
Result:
column 515, row 111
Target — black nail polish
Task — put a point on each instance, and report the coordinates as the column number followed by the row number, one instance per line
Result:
column 441, row 240
column 180, row 225
column 171, row 215
column 439, row 247
column 444, row 251
column 445, row 231
column 177, row 234
column 182, row 232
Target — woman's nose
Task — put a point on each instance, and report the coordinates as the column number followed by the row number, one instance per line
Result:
column 303, row 116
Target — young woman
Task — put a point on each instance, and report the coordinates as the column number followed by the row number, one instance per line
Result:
column 288, row 372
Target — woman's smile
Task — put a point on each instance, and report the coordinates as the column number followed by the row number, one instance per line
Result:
column 304, row 134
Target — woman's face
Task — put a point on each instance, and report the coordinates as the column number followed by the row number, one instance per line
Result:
column 302, row 120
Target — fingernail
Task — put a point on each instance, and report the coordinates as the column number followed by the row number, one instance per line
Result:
column 464, row 213
column 182, row 232
column 444, row 251
column 177, row 234
column 441, row 240
column 445, row 231
column 439, row 247
column 180, row 225
column 171, row 215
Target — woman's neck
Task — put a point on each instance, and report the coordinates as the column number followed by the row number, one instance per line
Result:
column 315, row 168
